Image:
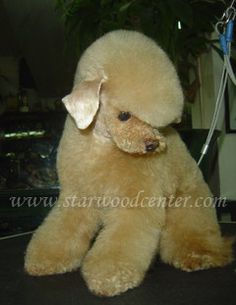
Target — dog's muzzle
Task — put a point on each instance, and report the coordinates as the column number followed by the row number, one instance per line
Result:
column 151, row 146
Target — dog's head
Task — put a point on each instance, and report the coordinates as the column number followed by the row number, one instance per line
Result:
column 127, row 84
column 87, row 103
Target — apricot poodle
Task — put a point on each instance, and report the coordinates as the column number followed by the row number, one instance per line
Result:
column 129, row 187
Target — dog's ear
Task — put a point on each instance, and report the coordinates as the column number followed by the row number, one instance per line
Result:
column 83, row 102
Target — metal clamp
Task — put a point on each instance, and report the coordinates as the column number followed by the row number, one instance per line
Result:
column 228, row 15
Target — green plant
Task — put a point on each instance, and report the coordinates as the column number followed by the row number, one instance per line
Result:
column 180, row 27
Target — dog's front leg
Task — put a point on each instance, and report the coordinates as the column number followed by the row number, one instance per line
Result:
column 63, row 239
column 123, row 250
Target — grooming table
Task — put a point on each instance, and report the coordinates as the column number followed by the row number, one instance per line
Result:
column 163, row 284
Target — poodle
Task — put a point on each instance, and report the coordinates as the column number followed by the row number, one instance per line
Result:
column 129, row 187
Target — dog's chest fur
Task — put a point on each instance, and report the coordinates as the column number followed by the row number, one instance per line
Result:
column 114, row 172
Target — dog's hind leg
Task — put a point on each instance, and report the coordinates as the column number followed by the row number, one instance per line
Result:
column 63, row 239
column 191, row 239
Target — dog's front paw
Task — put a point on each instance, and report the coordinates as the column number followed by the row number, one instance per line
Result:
column 36, row 266
column 46, row 259
column 109, row 278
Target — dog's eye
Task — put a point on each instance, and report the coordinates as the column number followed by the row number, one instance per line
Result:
column 124, row 116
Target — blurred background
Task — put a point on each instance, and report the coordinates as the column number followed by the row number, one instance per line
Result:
column 40, row 44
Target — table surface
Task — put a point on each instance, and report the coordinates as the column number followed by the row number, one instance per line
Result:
column 163, row 284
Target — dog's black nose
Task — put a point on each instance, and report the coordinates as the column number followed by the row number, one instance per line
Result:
column 151, row 145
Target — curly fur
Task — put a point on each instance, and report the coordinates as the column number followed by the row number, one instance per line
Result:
column 101, row 156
